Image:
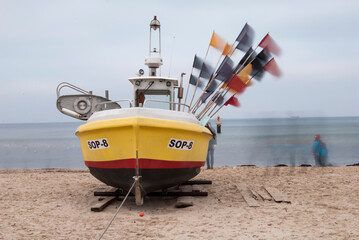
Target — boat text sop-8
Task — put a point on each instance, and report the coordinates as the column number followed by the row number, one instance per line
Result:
column 98, row 144
column 180, row 144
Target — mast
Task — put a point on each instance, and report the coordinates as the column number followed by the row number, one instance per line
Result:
column 154, row 60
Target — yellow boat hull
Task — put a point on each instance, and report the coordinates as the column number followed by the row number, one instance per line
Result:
column 168, row 152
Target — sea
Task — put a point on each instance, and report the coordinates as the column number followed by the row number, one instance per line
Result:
column 260, row 142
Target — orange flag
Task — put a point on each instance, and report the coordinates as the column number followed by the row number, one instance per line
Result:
column 227, row 49
column 217, row 42
column 244, row 75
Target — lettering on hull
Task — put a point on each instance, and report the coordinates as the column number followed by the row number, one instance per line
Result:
column 98, row 144
column 180, row 144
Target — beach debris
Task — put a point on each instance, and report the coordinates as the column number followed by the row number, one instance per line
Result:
column 102, row 204
column 264, row 194
column 253, row 197
column 255, row 194
column 277, row 195
column 247, row 196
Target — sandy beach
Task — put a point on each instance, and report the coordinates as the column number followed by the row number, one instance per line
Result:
column 55, row 204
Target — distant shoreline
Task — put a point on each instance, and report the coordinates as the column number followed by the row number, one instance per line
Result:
column 222, row 119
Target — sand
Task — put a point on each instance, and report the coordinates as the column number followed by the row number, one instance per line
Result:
column 55, row 204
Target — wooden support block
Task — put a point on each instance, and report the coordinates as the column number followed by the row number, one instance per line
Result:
column 186, row 188
column 196, row 188
column 277, row 195
column 101, row 205
column 178, row 194
column 183, row 202
column 247, row 196
column 192, row 182
column 111, row 192
column 264, row 194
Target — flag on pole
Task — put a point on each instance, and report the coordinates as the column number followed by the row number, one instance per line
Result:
column 257, row 64
column 244, row 75
column 198, row 62
column 217, row 42
column 257, row 71
column 235, row 83
column 232, row 101
column 225, row 70
column 264, row 55
column 205, row 96
column 227, row 49
column 247, row 58
column 272, row 68
column 206, row 71
column 218, row 99
column 193, row 81
column 212, row 87
column 245, row 38
column 269, row 44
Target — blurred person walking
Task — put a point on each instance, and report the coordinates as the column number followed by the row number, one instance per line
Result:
column 211, row 146
column 320, row 151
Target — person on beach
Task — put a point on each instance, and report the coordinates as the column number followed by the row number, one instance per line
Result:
column 211, row 146
column 319, row 151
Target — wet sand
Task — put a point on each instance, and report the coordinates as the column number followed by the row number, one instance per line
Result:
column 55, row 204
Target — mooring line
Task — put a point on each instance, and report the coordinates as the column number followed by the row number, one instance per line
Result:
column 114, row 216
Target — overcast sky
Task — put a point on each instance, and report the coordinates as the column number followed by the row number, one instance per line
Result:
column 98, row 45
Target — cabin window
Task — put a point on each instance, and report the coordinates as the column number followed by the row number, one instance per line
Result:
column 156, row 95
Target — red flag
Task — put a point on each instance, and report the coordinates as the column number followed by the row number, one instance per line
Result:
column 269, row 44
column 272, row 68
column 242, row 90
column 232, row 101
column 235, row 83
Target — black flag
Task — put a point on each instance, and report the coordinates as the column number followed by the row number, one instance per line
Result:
column 245, row 38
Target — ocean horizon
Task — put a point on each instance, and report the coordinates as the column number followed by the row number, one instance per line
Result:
column 256, row 141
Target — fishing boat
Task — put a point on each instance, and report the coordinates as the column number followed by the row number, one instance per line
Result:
column 157, row 142
column 152, row 142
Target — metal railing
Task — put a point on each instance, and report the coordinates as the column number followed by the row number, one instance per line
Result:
column 161, row 101
column 97, row 106
column 69, row 85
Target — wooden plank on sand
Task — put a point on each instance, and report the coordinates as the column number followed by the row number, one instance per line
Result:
column 98, row 207
column 277, row 195
column 255, row 194
column 247, row 196
column 264, row 195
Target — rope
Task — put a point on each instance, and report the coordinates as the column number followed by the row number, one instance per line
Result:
column 114, row 216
